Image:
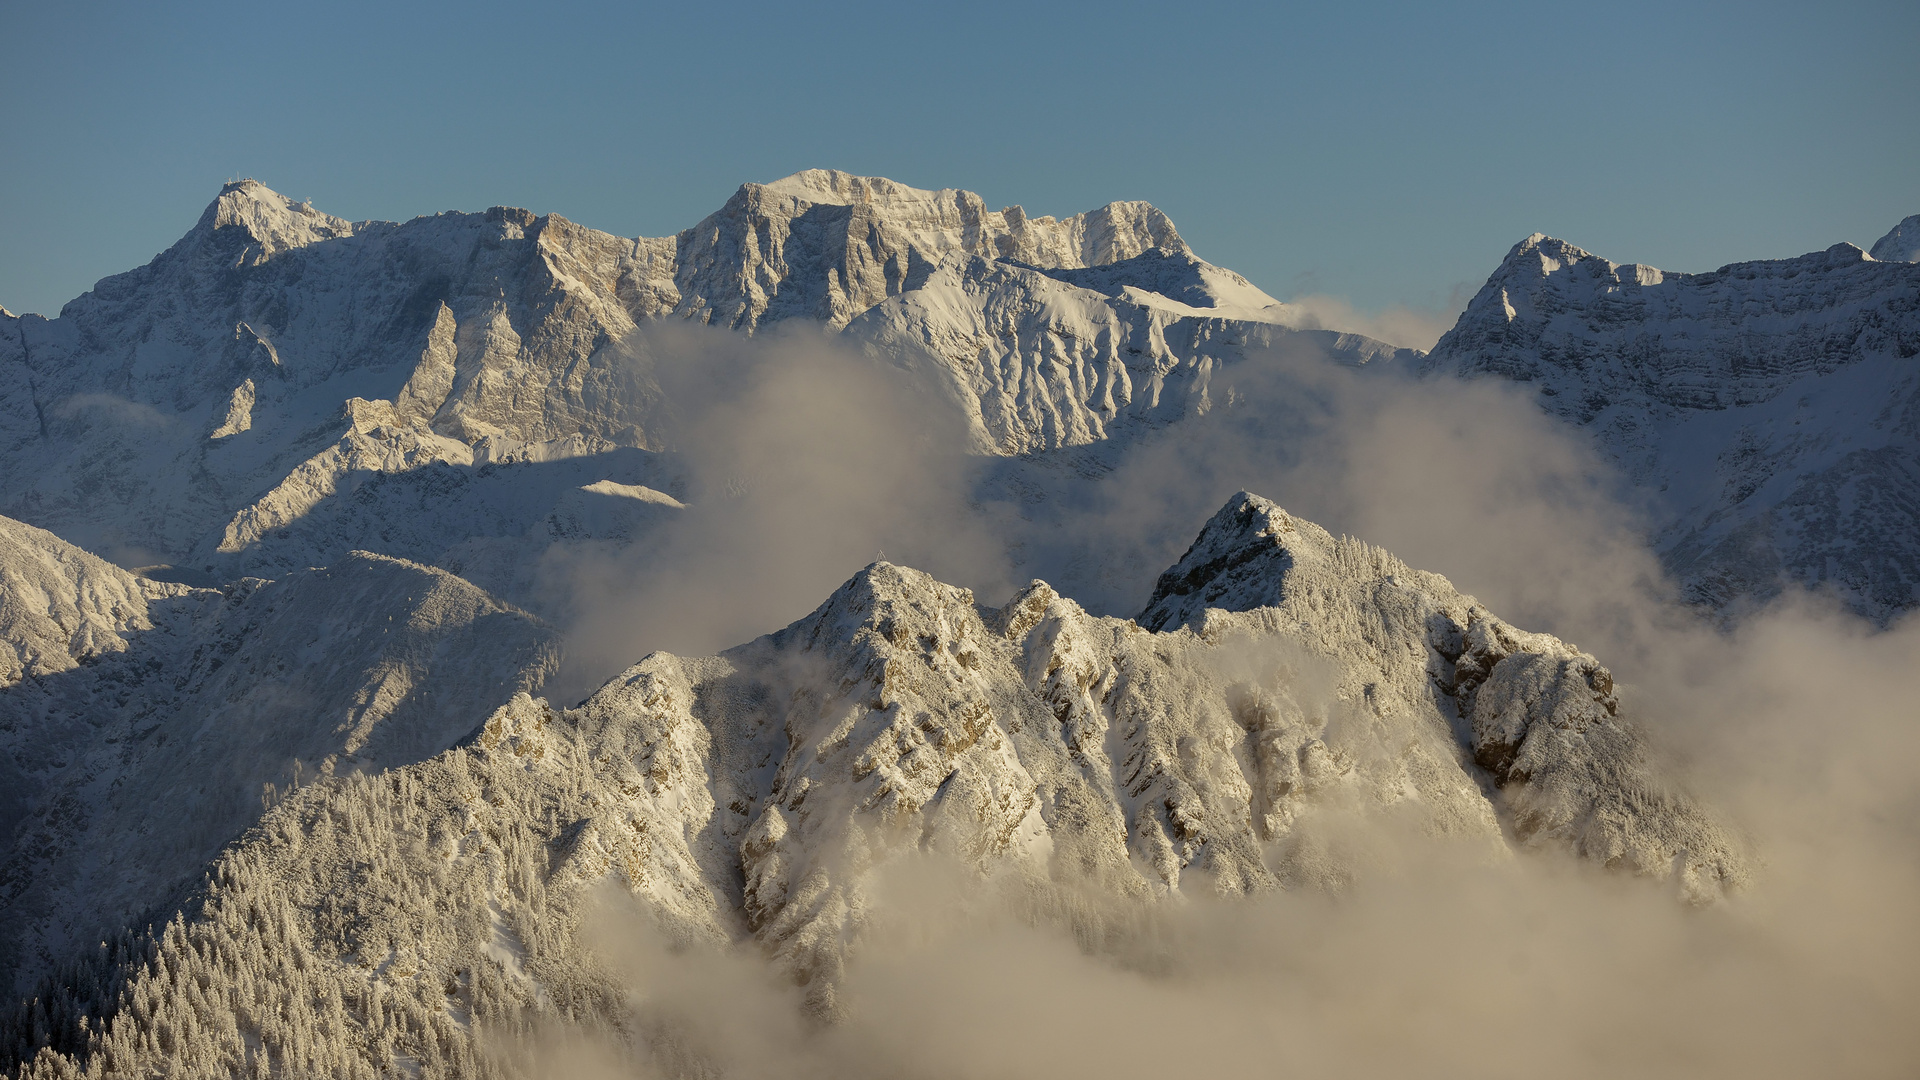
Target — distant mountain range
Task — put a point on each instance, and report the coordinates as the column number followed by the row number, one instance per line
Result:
column 213, row 409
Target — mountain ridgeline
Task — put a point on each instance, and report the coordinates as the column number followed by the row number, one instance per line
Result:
column 282, row 387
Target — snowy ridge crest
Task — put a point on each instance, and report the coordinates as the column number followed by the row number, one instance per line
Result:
column 61, row 607
column 273, row 222
column 152, row 715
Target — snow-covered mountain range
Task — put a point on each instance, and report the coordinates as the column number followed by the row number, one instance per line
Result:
column 282, row 386
column 276, row 615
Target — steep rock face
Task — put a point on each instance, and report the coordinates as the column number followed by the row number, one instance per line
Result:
column 1042, row 359
column 826, row 245
column 1634, row 335
column 171, row 398
column 949, row 219
column 1770, row 405
column 126, row 774
column 1294, row 686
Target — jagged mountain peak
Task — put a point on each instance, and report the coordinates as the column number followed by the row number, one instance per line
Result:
column 248, row 187
column 270, row 219
column 1539, row 243
column 835, row 188
column 881, row 582
column 1551, row 245
column 884, row 606
column 933, row 223
column 1535, row 264
column 1901, row 244
column 1540, row 256
column 1252, row 555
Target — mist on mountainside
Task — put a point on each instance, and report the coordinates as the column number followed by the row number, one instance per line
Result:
column 809, row 458
column 1407, row 327
column 806, row 460
column 814, row 460
column 1426, row 965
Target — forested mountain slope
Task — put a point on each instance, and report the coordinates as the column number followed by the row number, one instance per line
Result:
column 128, row 762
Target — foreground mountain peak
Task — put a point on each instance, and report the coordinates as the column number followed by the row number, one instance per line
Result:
column 1239, row 561
column 1303, row 684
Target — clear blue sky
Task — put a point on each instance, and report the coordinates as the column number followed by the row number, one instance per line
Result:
column 1389, row 153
